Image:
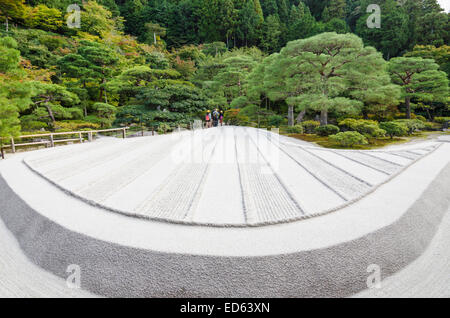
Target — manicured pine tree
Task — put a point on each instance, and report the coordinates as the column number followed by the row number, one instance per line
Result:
column 318, row 73
column 420, row 79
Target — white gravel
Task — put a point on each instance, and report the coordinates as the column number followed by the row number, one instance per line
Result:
column 197, row 177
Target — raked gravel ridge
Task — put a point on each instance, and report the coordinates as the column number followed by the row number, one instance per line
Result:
column 230, row 176
column 225, row 212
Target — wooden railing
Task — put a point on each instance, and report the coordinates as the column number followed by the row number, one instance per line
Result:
column 52, row 141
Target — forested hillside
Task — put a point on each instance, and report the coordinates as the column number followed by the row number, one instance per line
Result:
column 163, row 63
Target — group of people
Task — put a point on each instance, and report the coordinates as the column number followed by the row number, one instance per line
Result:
column 214, row 119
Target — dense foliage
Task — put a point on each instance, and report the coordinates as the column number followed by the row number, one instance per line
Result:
column 163, row 63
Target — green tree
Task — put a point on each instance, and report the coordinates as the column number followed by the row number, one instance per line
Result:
column 98, row 20
column 258, row 10
column 12, row 9
column 9, row 55
column 133, row 80
column 271, row 34
column 95, row 61
column 154, row 34
column 45, row 18
column 392, row 37
column 302, row 24
column 14, row 93
column 52, row 102
column 441, row 55
column 177, row 98
column 319, row 72
column 105, row 113
column 420, row 79
column 230, row 80
column 432, row 28
column 337, row 9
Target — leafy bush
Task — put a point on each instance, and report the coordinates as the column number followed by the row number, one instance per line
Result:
column 75, row 125
column 310, row 126
column 327, row 130
column 32, row 125
column 349, row 139
column 421, row 118
column 275, row 120
column 297, row 129
column 243, row 120
column 163, row 129
column 412, row 124
column 394, row 128
column 106, row 114
column 368, row 128
column 441, row 120
column 251, row 111
column 231, row 117
column 430, row 126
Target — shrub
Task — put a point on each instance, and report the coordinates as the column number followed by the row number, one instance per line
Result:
column 394, row 128
column 251, row 111
column 75, row 125
column 275, row 120
column 297, row 129
column 163, row 129
column 441, row 120
column 243, row 120
column 412, row 124
column 32, row 125
column 429, row 126
column 349, row 139
column 369, row 128
column 310, row 126
column 421, row 118
column 231, row 116
column 327, row 130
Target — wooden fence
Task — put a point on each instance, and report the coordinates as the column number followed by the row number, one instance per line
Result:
column 51, row 141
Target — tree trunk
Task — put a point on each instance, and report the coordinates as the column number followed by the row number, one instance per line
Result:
column 300, row 116
column 429, row 115
column 50, row 113
column 290, row 115
column 324, row 117
column 408, row 107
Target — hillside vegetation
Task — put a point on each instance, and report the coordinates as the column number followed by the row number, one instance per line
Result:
column 268, row 63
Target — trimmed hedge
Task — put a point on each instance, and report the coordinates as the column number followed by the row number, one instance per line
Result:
column 441, row 120
column 297, row 129
column 349, row 139
column 310, row 126
column 412, row 124
column 394, row 128
column 327, row 130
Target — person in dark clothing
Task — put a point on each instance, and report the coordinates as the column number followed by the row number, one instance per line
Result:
column 221, row 118
column 215, row 116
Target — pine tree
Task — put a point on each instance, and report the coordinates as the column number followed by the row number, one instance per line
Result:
column 420, row 79
column 336, row 9
column 327, row 72
column 392, row 37
column 258, row 10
